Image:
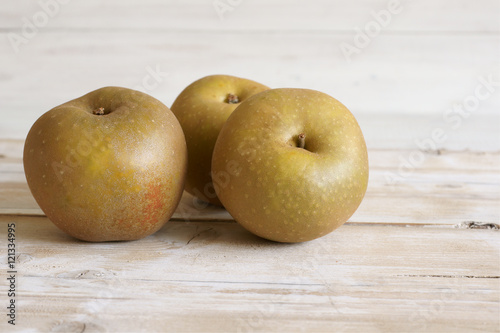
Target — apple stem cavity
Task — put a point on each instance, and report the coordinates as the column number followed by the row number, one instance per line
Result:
column 232, row 99
column 301, row 140
column 98, row 111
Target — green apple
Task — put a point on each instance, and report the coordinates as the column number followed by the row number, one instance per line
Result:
column 291, row 164
column 107, row 166
column 202, row 109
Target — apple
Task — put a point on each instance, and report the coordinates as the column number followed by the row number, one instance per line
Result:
column 107, row 166
column 291, row 164
column 202, row 109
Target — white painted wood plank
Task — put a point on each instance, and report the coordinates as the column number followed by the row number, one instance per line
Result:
column 258, row 15
column 370, row 305
column 448, row 188
column 202, row 271
column 394, row 74
column 407, row 132
column 217, row 277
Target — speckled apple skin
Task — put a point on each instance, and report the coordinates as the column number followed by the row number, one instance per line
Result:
column 277, row 190
column 111, row 177
column 202, row 110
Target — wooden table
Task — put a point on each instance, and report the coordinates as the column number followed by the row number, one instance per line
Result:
column 421, row 254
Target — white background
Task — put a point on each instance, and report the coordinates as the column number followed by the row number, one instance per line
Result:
column 416, row 65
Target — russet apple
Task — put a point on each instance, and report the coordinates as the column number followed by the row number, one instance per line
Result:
column 202, row 109
column 291, row 164
column 107, row 166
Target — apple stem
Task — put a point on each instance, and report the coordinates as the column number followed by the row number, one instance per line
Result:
column 232, row 99
column 301, row 140
column 98, row 111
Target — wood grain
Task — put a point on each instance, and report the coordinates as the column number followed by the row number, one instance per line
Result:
column 446, row 189
column 260, row 15
column 422, row 252
column 390, row 76
column 215, row 276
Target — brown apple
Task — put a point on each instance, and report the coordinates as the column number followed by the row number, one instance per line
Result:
column 107, row 166
column 202, row 109
column 291, row 164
